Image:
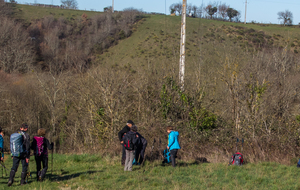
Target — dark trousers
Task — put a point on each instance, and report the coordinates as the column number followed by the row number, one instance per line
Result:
column 140, row 153
column 123, row 155
column 16, row 161
column 41, row 159
column 173, row 154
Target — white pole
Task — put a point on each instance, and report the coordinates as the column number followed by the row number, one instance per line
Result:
column 112, row 7
column 245, row 12
column 182, row 45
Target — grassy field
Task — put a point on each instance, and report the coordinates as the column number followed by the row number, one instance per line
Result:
column 96, row 172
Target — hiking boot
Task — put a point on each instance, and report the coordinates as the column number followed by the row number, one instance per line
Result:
column 23, row 176
column 43, row 174
column 11, row 177
column 38, row 175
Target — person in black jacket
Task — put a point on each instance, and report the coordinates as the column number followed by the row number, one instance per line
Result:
column 140, row 151
column 125, row 130
column 23, row 157
column 40, row 146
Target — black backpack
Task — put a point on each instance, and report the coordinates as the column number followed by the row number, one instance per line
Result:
column 237, row 159
column 128, row 141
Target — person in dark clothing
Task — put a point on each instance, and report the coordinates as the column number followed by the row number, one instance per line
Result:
column 40, row 146
column 22, row 155
column 140, row 151
column 134, row 138
column 125, row 130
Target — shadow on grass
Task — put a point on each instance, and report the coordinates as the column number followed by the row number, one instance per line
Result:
column 53, row 177
column 197, row 161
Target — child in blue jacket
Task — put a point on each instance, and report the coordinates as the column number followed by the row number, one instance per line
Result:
column 173, row 144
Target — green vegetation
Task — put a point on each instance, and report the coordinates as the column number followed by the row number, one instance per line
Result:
column 96, row 172
column 29, row 13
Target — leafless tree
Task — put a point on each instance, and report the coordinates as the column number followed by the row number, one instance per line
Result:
column 70, row 4
column 286, row 17
column 222, row 10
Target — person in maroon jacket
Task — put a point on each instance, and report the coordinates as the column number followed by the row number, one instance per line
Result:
column 40, row 146
column 121, row 133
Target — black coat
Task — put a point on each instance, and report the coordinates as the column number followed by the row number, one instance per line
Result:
column 126, row 129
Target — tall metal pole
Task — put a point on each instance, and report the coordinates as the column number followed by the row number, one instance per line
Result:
column 182, row 45
column 245, row 12
column 112, row 7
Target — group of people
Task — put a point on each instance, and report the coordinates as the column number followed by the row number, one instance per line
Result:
column 20, row 152
column 134, row 145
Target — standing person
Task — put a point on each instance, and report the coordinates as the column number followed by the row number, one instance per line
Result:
column 131, row 140
column 173, row 144
column 125, row 130
column 1, row 144
column 40, row 146
column 140, row 151
column 20, row 151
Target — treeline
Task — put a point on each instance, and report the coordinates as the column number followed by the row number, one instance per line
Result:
column 216, row 10
column 48, row 80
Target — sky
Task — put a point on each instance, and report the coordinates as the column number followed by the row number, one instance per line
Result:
column 262, row 11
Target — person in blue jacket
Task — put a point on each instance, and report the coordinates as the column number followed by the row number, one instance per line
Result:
column 1, row 144
column 173, row 144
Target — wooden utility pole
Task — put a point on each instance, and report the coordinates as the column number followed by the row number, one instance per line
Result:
column 245, row 12
column 182, row 45
column 112, row 7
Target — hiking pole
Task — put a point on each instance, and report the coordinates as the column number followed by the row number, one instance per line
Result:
column 28, row 172
column 52, row 160
column 3, row 166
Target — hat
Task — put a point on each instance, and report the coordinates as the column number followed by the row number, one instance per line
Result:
column 134, row 128
column 130, row 122
column 24, row 126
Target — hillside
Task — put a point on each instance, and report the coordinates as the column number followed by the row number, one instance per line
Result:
column 82, row 75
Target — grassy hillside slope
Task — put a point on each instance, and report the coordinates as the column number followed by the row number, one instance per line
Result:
column 96, row 172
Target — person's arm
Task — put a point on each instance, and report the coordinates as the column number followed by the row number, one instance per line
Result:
column 1, row 148
column 121, row 133
column 49, row 146
column 171, row 140
column 27, row 145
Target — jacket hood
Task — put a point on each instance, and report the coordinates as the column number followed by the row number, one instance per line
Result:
column 175, row 133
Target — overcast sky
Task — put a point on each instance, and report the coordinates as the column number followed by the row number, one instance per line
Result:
column 264, row 11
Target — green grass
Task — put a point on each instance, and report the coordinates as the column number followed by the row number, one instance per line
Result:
column 30, row 13
column 97, row 172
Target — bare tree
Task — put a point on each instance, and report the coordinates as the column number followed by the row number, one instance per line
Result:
column 222, row 10
column 286, row 17
column 70, row 4
column 194, row 9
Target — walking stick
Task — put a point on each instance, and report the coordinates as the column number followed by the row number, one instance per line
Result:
column 52, row 160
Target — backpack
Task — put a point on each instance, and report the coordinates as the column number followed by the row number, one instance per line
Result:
column 16, row 143
column 128, row 141
column 39, row 150
column 167, row 156
column 298, row 164
column 237, row 159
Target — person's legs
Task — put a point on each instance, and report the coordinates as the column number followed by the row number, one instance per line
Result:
column 16, row 161
column 45, row 167
column 142, row 154
column 123, row 156
column 24, row 170
column 131, row 157
column 38, row 166
column 137, row 155
column 127, row 160
column 173, row 156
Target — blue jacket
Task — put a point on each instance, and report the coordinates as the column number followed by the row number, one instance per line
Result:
column 1, row 146
column 173, row 140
